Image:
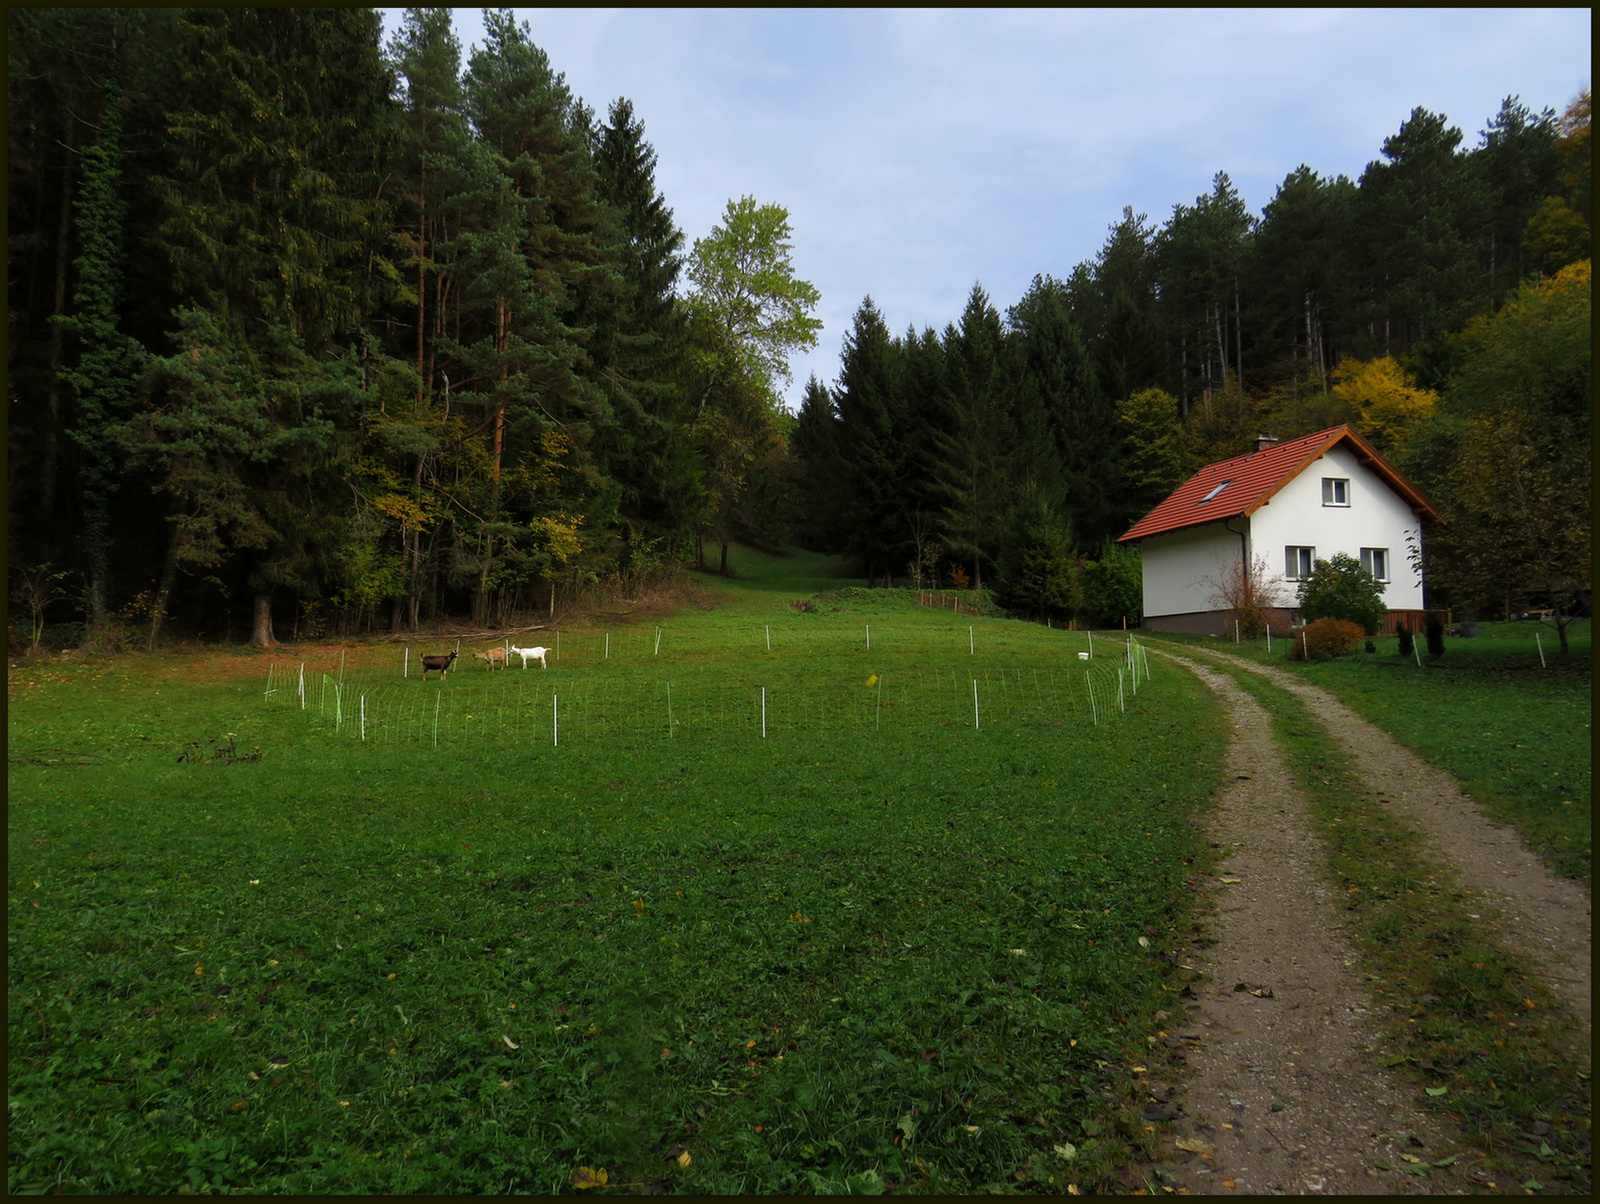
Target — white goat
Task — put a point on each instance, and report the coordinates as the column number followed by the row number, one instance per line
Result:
column 531, row 654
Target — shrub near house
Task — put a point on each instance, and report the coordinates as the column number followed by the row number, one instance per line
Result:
column 1323, row 639
column 1340, row 588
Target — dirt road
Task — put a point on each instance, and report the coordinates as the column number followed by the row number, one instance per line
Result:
column 1286, row 1092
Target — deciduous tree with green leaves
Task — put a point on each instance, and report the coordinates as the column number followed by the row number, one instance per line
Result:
column 748, row 313
column 1518, row 491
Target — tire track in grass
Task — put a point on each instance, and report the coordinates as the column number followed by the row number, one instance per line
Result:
column 1285, row 1092
column 1546, row 918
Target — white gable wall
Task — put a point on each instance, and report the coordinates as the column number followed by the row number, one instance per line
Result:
column 1375, row 518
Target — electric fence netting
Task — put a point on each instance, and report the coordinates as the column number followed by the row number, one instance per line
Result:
column 709, row 704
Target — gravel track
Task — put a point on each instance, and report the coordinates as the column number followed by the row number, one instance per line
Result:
column 1285, row 1093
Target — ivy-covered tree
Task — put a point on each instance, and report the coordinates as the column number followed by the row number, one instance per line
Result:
column 107, row 361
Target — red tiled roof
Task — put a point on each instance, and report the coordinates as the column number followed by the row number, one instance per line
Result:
column 1252, row 480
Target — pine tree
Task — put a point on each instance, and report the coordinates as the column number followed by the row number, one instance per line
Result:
column 531, row 256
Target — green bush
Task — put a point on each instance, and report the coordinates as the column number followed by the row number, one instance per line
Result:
column 1433, row 626
column 1113, row 586
column 1323, row 639
column 1339, row 588
column 1037, row 574
column 1406, row 641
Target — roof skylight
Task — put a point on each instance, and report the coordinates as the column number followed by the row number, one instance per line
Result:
column 1215, row 489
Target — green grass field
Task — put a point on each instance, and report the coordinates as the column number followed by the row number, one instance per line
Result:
column 1514, row 729
column 879, row 946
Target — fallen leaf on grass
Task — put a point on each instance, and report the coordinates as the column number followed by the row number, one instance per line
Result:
column 510, row 1044
column 1233, row 881
column 584, row 1178
column 1067, row 1151
column 1194, row 1145
column 684, row 1159
column 1436, row 1091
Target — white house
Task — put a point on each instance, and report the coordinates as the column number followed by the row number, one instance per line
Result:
column 1286, row 505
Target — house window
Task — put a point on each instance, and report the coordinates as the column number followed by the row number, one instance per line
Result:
column 1376, row 562
column 1215, row 490
column 1335, row 491
column 1298, row 562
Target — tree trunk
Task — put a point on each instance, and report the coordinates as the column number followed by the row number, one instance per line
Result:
column 1238, row 340
column 261, row 632
column 169, row 578
column 47, row 491
column 723, row 567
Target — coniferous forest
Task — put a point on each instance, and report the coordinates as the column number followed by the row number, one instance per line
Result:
column 309, row 332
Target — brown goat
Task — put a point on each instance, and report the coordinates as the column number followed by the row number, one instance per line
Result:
column 441, row 663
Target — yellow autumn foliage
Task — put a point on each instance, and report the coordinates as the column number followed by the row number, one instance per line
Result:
column 1386, row 398
column 1389, row 403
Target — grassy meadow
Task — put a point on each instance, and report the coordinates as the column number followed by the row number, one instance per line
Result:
column 890, row 944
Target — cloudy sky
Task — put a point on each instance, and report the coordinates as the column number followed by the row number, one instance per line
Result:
column 919, row 152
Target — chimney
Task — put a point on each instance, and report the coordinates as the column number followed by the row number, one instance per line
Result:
column 1265, row 441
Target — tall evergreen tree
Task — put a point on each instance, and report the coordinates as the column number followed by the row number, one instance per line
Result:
column 532, row 254
column 979, row 434
column 815, row 444
column 1079, row 433
column 1417, row 212
column 639, row 342
column 1201, row 257
column 1517, row 165
column 273, row 209
column 924, row 418
column 1113, row 301
column 432, row 153
column 869, row 453
column 1298, row 272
